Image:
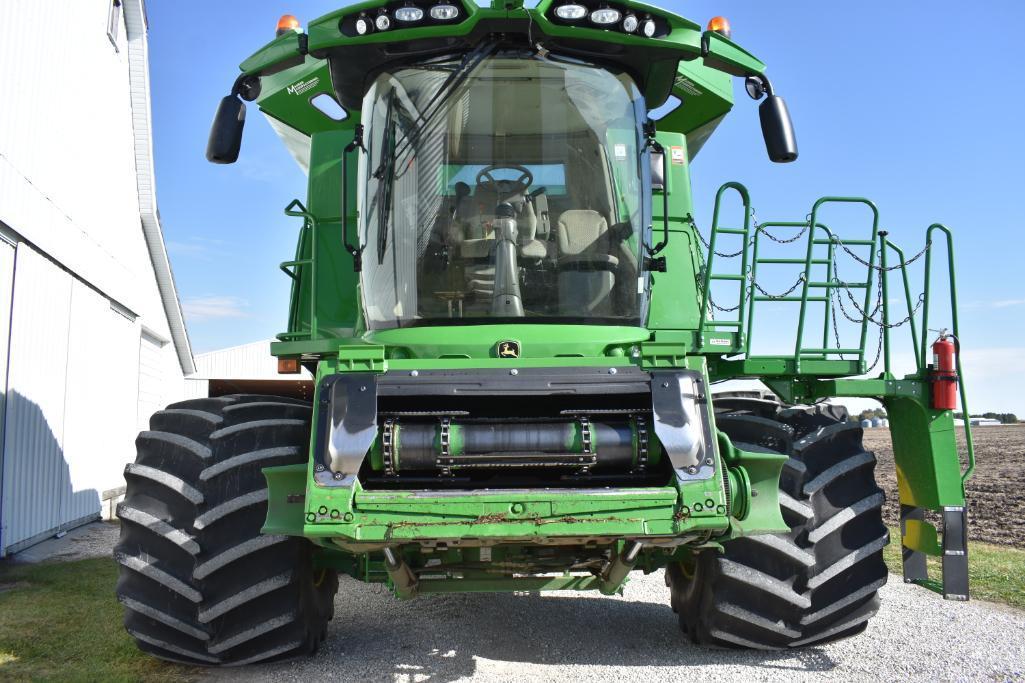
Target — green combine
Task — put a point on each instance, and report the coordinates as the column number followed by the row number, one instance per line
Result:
column 508, row 310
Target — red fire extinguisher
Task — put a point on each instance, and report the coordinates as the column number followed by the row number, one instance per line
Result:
column 944, row 373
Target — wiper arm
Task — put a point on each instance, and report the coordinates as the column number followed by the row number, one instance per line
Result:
column 384, row 182
column 384, row 173
column 446, row 90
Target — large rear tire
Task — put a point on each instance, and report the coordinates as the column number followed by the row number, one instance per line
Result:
column 817, row 583
column 198, row 582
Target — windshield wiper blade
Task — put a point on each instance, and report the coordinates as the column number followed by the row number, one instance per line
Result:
column 446, row 90
column 384, row 181
column 384, row 173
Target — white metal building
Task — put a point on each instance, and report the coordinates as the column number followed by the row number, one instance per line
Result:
column 242, row 369
column 92, row 338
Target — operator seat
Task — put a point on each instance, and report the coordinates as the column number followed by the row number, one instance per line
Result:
column 473, row 238
column 473, row 218
column 586, row 268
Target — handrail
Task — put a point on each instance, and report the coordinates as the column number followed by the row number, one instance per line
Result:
column 907, row 297
column 759, row 229
column 296, row 209
column 707, row 294
column 884, row 284
column 953, row 320
column 810, row 253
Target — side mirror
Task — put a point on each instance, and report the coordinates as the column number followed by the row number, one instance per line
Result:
column 777, row 128
column 226, row 133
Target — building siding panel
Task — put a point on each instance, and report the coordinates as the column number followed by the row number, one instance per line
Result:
column 34, row 465
column 6, row 294
column 98, row 440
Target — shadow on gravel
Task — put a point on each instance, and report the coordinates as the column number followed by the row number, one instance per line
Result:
column 438, row 637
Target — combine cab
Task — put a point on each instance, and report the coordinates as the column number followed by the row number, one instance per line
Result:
column 514, row 325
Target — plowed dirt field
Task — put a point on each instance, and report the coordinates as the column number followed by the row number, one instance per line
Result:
column 996, row 493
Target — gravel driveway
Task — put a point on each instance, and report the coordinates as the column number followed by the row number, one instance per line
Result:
column 566, row 636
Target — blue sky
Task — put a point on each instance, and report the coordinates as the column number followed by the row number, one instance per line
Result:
column 914, row 105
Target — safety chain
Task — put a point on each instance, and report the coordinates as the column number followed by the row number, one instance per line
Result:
column 642, row 443
column 902, row 264
column 758, row 228
column 879, row 352
column 879, row 301
column 779, row 241
column 388, row 446
column 800, row 279
column 879, row 306
column 880, row 324
column 721, row 309
column 445, row 462
column 870, row 316
column 719, row 253
column 836, row 331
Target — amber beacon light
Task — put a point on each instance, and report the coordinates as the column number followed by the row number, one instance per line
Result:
column 287, row 24
column 720, row 25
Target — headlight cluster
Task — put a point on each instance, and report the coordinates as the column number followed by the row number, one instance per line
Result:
column 403, row 15
column 608, row 16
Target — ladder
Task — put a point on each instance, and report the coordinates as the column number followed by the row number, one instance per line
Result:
column 302, row 269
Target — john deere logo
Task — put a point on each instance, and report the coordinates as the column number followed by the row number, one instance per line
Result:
column 508, row 349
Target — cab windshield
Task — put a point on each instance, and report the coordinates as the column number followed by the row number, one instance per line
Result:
column 503, row 190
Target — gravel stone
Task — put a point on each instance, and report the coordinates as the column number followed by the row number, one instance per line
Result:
column 95, row 539
column 569, row 636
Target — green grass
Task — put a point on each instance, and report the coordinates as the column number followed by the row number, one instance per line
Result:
column 61, row 621
column 995, row 573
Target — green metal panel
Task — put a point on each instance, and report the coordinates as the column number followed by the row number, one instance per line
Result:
column 674, row 293
column 287, row 96
column 337, row 307
column 924, row 448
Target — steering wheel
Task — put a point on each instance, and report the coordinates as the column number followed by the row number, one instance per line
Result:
column 505, row 189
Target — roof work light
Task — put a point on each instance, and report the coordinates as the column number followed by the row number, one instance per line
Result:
column 720, row 25
column 288, row 24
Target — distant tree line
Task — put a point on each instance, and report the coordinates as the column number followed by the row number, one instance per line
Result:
column 871, row 414
column 1004, row 418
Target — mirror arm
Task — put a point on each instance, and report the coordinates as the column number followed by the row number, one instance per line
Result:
column 357, row 143
column 247, row 87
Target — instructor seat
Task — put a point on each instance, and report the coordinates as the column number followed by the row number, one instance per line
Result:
column 586, row 268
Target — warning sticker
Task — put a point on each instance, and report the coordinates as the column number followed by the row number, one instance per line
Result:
column 676, row 155
column 620, row 152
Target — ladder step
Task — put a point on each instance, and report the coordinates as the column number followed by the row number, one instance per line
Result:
column 304, row 262
column 846, row 285
column 790, row 298
column 714, row 276
column 850, row 243
column 794, row 261
column 821, row 352
column 731, row 231
column 723, row 323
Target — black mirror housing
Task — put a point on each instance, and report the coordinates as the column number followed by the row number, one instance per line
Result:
column 778, row 130
column 226, row 132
